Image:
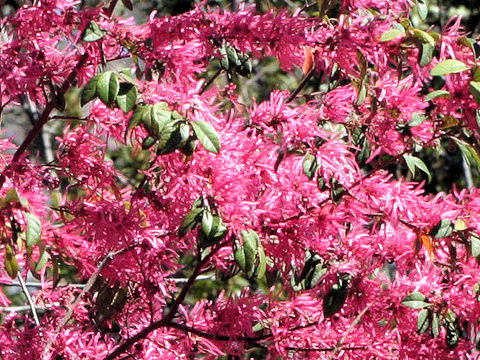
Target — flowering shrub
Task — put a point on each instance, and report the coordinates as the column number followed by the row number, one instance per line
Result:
column 293, row 228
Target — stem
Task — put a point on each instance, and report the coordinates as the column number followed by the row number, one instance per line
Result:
column 301, row 86
column 42, row 120
column 210, row 81
column 166, row 320
column 87, row 288
column 29, row 298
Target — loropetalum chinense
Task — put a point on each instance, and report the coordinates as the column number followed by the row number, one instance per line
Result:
column 285, row 229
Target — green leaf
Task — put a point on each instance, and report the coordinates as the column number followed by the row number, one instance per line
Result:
column 391, row 34
column 426, row 54
column 335, row 299
column 437, row 93
column 219, row 230
column 262, row 263
column 415, row 162
column 468, row 42
column 192, row 219
column 424, row 37
column 250, row 245
column 422, row 10
column 11, row 264
column 34, row 229
column 450, row 66
column 93, row 32
column 476, row 73
column 42, row 262
column 475, row 90
column 207, row 136
column 148, row 142
column 89, row 92
column 443, row 229
column 138, row 114
column 435, row 325
column 310, row 165
column 108, row 87
column 127, row 97
column 207, row 223
column 416, row 300
column 157, row 120
column 423, row 321
column 475, row 244
column 452, row 335
column 469, row 153
column 174, row 135
column 416, row 120
column 239, row 255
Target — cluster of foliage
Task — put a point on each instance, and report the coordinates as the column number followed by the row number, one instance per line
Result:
column 301, row 211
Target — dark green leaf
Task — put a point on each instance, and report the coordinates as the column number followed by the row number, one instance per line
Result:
column 192, row 219
column 207, row 136
column 157, row 120
column 148, row 142
column 335, row 299
column 239, row 255
column 450, row 66
column 108, row 87
column 11, row 264
column 89, row 92
column 310, row 165
column 138, row 114
column 127, row 97
column 207, row 223
column 174, row 135
column 423, row 321
column 452, row 335
column 250, row 245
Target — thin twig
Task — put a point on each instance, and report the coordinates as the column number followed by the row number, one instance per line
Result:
column 355, row 322
column 166, row 320
column 40, row 285
column 87, row 288
column 21, row 308
column 301, row 86
column 210, row 81
column 29, row 298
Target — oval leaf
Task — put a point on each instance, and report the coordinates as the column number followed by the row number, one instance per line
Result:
column 423, row 321
column 89, row 92
column 437, row 93
column 34, row 229
column 127, row 96
column 207, row 136
column 416, row 300
column 450, row 66
column 108, row 87
column 391, row 34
